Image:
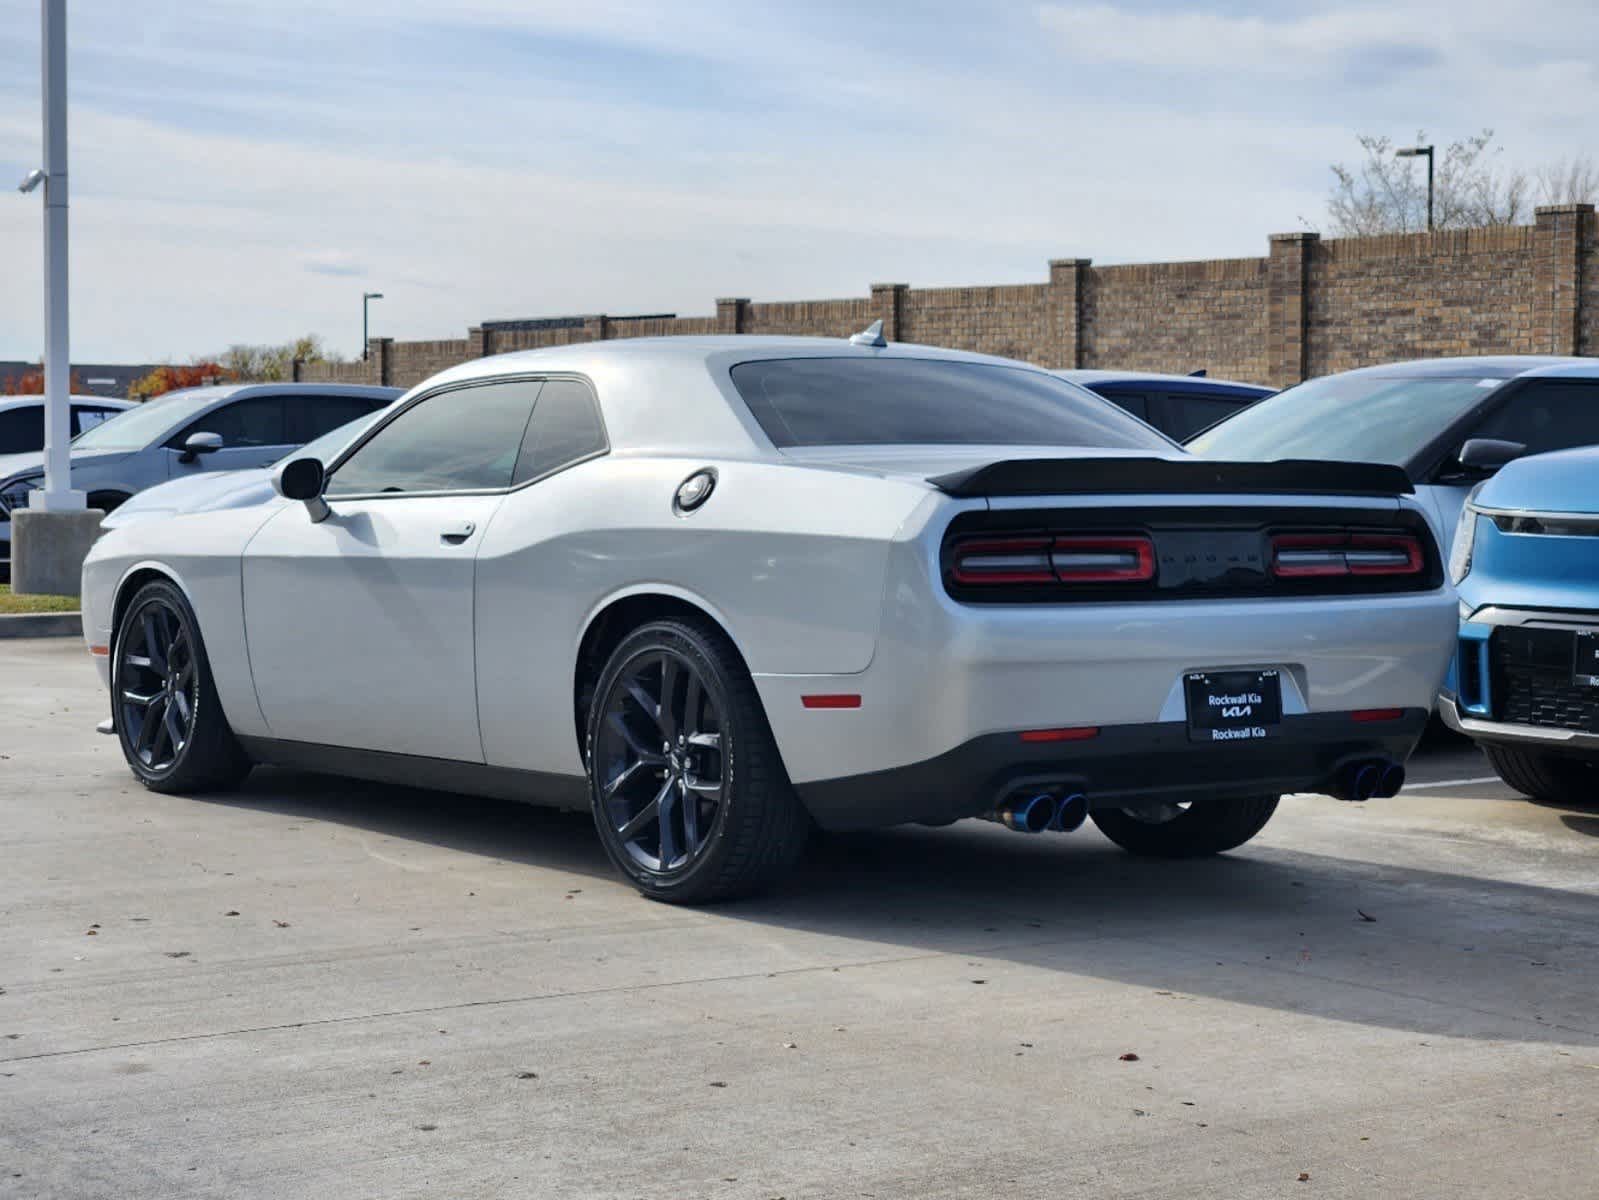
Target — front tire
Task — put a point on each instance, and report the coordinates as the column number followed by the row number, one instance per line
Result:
column 1545, row 776
column 689, row 794
column 1194, row 829
column 164, row 705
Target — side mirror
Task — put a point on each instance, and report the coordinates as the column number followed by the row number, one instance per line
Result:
column 1486, row 455
column 303, row 479
column 197, row 444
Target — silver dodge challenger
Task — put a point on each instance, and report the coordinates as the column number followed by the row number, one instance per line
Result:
column 720, row 590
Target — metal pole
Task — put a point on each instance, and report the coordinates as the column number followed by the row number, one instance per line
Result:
column 1429, row 189
column 366, row 302
column 57, row 494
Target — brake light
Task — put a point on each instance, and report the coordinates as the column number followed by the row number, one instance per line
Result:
column 1064, row 559
column 1308, row 555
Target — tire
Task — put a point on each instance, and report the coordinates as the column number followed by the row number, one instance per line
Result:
column 182, row 752
column 1205, row 827
column 732, row 823
column 1545, row 776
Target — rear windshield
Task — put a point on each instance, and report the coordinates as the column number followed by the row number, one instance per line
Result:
column 925, row 401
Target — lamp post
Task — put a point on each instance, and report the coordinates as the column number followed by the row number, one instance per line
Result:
column 1419, row 152
column 366, row 301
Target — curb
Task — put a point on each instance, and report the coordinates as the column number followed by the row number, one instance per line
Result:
column 40, row 625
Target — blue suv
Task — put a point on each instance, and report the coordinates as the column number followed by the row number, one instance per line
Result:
column 1525, row 683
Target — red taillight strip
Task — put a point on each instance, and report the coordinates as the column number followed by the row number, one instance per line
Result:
column 1103, row 560
column 1298, row 556
column 833, row 700
column 1003, row 560
column 1064, row 559
column 1079, row 733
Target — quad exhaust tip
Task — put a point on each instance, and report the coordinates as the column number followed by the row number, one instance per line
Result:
column 1034, row 812
column 1370, row 779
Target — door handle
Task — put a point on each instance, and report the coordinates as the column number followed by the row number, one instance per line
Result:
column 455, row 534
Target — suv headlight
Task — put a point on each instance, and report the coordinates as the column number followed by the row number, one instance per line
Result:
column 1465, row 540
column 14, row 492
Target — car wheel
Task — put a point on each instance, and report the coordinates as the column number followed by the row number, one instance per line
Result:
column 689, row 793
column 1189, row 829
column 164, row 704
column 1545, row 776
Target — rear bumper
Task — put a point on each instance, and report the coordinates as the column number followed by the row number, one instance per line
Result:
column 1483, row 730
column 1122, row 765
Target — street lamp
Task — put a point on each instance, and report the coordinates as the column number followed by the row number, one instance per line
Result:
column 366, row 300
column 1419, row 152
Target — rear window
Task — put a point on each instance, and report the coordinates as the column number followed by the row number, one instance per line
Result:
column 920, row 401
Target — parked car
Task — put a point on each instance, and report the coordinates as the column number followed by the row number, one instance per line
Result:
column 188, row 432
column 229, row 489
column 1525, row 684
column 22, row 420
column 1178, row 405
column 714, row 589
column 1449, row 422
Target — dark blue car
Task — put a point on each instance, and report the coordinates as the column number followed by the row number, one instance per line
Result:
column 1525, row 683
column 1177, row 405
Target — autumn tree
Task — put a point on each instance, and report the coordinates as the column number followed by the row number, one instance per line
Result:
column 1471, row 187
column 170, row 377
column 31, row 383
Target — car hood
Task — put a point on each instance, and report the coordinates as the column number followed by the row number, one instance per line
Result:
column 923, row 462
column 12, row 465
column 198, row 493
column 1566, row 481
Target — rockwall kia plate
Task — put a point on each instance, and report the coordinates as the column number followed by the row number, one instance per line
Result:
column 1233, row 706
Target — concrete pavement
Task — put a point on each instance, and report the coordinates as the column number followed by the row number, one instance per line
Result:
column 321, row 988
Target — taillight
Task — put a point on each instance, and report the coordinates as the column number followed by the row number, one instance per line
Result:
column 1065, row 559
column 1306, row 555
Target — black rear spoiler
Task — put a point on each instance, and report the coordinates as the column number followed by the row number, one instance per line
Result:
column 1080, row 476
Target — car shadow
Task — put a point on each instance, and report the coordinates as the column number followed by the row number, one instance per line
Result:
column 1343, row 939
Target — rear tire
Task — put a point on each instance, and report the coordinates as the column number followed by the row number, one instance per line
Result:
column 164, row 705
column 689, row 794
column 1205, row 827
column 1545, row 776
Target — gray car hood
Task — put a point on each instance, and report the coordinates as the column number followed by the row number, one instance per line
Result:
column 12, row 465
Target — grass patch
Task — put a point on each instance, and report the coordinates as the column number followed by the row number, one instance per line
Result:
column 10, row 603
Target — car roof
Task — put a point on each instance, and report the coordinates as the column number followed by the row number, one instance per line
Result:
column 75, row 398
column 1090, row 376
column 224, row 391
column 673, row 394
column 1495, row 366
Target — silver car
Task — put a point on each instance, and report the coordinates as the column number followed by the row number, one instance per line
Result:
column 182, row 434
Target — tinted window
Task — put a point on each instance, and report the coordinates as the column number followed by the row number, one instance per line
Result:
column 258, row 421
column 86, row 417
column 1547, row 416
column 1134, row 402
column 468, row 438
column 310, row 417
column 910, row 401
column 1188, row 413
column 565, row 427
column 137, row 427
column 22, row 429
column 1348, row 418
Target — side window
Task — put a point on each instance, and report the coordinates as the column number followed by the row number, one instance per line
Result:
column 1188, row 413
column 84, row 417
column 1134, row 402
column 460, row 440
column 22, row 429
column 257, row 421
column 1547, row 415
column 565, row 428
column 310, row 416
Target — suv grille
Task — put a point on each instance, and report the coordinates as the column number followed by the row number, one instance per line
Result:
column 1532, row 680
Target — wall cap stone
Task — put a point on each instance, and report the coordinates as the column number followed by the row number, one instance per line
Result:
column 1551, row 210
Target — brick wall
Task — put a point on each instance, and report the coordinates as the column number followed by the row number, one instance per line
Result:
column 1308, row 307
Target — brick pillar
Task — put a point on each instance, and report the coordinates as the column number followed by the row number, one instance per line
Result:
column 1066, row 279
column 1557, row 280
column 380, row 361
column 1287, row 273
column 732, row 314
column 888, row 306
column 296, row 369
column 479, row 342
column 596, row 328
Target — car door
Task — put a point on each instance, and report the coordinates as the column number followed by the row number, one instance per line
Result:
column 360, row 626
column 254, row 433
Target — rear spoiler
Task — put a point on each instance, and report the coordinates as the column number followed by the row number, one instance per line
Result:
column 1081, row 476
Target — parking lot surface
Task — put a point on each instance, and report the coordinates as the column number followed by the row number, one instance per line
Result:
column 322, row 988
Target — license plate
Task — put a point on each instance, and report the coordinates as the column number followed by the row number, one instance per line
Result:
column 1585, row 665
column 1233, row 706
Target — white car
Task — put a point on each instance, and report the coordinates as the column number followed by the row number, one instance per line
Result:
column 715, row 589
column 22, row 420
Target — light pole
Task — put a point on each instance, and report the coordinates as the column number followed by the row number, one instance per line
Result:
column 366, row 301
column 1418, row 152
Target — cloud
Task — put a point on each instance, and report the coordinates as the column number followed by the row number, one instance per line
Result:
column 334, row 262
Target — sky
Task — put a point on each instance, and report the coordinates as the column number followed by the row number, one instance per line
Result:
column 242, row 172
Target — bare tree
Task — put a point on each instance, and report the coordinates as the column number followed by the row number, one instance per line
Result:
column 1385, row 194
column 272, row 363
column 1569, row 181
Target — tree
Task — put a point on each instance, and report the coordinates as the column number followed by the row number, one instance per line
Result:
column 170, row 377
column 268, row 363
column 31, row 383
column 1385, row 194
